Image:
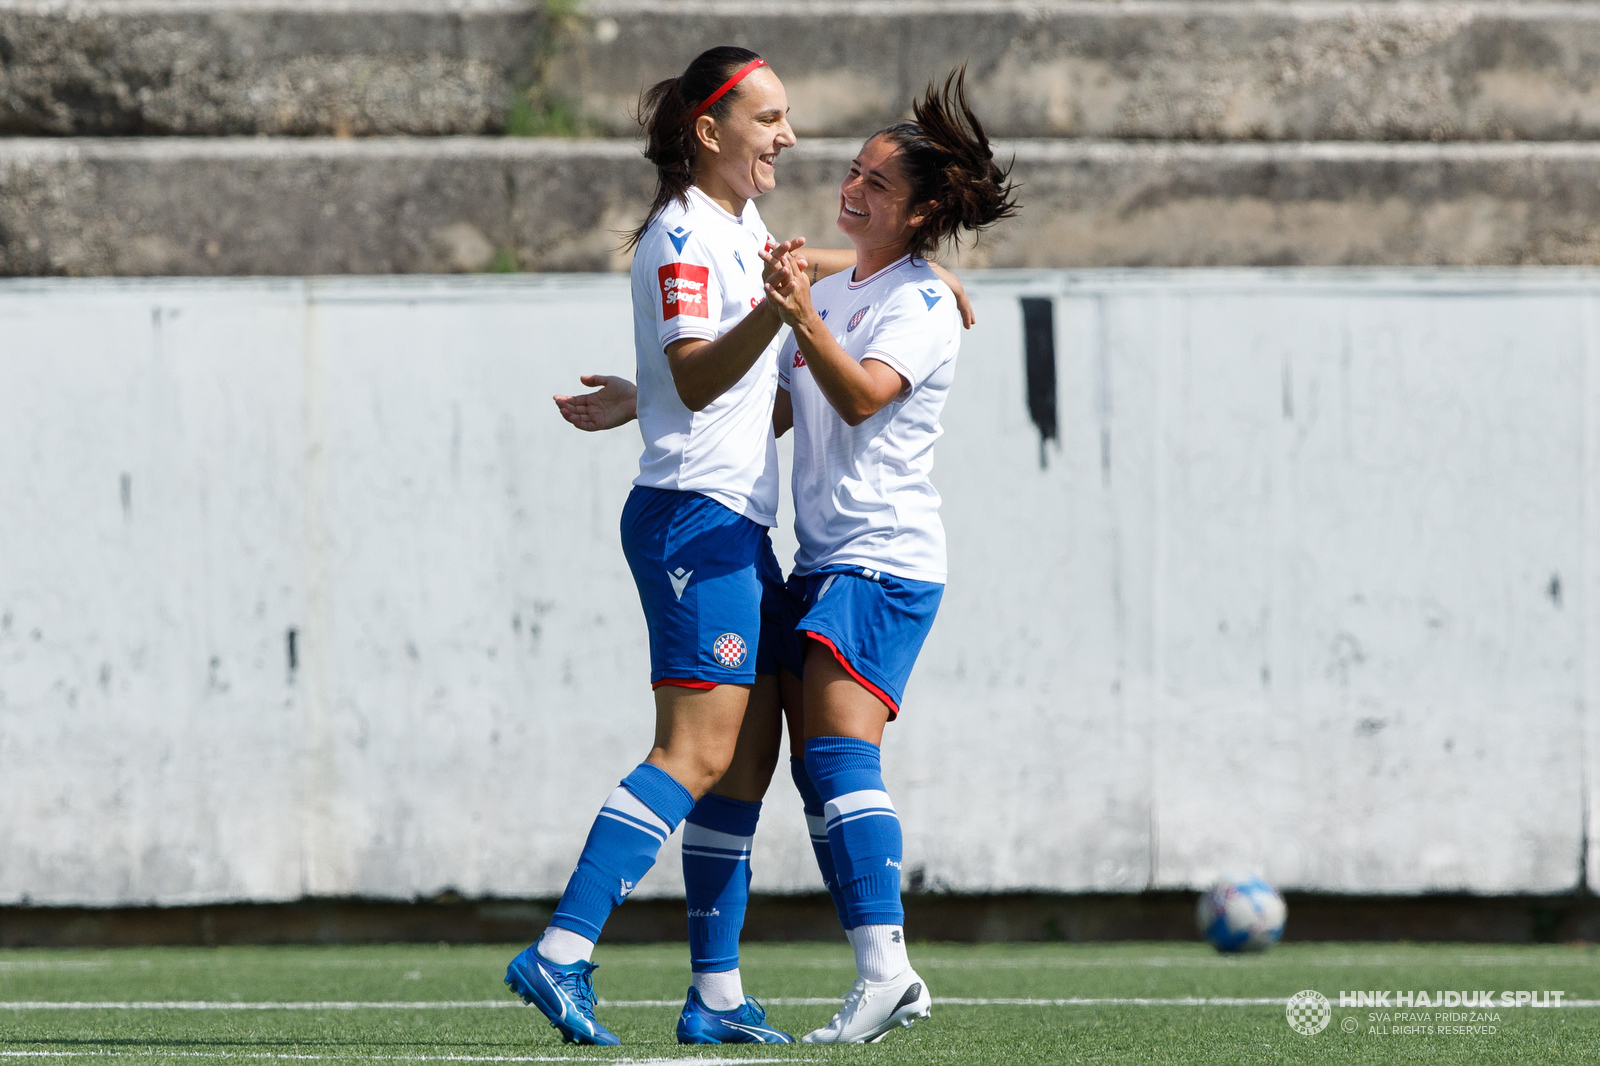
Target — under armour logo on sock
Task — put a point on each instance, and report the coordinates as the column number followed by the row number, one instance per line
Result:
column 895, row 936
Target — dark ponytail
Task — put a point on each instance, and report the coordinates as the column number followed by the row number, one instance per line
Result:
column 664, row 112
column 946, row 157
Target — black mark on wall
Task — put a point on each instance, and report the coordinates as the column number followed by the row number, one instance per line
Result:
column 127, row 494
column 294, row 654
column 1039, row 337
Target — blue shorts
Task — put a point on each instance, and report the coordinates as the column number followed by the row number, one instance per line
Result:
column 707, row 578
column 874, row 623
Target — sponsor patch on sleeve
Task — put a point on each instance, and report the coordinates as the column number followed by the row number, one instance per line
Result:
column 683, row 290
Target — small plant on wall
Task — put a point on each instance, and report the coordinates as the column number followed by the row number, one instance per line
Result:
column 540, row 109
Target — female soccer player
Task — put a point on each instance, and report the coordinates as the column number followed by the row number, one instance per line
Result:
column 695, row 526
column 863, row 379
column 695, row 536
column 864, row 401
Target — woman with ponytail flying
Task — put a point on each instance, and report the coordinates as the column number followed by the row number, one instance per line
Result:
column 863, row 379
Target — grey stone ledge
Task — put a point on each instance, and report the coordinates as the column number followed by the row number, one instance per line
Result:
column 252, row 206
column 1156, row 69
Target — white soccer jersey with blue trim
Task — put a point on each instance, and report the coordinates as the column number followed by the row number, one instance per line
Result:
column 697, row 273
column 863, row 494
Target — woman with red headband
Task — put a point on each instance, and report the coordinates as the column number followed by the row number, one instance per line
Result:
column 694, row 531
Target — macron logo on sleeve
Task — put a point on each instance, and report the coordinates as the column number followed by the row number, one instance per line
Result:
column 683, row 290
column 930, row 296
column 678, row 237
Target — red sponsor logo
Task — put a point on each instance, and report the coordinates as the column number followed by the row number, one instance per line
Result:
column 754, row 300
column 799, row 360
column 683, row 290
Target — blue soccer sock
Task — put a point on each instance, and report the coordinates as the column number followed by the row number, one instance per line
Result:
column 818, row 827
column 634, row 822
column 716, row 879
column 863, row 828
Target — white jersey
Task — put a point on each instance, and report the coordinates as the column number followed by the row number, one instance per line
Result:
column 696, row 273
column 862, row 494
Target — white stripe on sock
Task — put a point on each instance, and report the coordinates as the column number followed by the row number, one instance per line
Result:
column 818, row 826
column 698, row 836
column 648, row 830
column 625, row 802
column 868, row 801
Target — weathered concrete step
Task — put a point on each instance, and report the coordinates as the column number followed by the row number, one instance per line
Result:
column 216, row 67
column 1141, row 69
column 1161, row 69
column 380, row 206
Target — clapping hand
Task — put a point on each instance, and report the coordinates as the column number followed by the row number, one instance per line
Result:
column 773, row 257
column 615, row 404
column 789, row 290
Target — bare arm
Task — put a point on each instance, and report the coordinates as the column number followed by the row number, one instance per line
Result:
column 856, row 390
column 782, row 412
column 969, row 318
column 702, row 370
column 818, row 263
column 825, row 261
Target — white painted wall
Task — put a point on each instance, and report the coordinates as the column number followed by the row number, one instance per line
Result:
column 1283, row 598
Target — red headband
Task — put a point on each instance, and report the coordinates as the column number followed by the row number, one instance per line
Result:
column 738, row 76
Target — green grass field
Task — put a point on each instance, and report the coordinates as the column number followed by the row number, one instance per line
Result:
column 410, row 1003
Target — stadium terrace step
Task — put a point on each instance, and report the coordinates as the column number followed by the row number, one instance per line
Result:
column 218, row 67
column 1160, row 69
column 1141, row 69
column 331, row 206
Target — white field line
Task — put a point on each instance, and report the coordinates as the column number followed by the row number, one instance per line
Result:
column 384, row 1058
column 781, row 1001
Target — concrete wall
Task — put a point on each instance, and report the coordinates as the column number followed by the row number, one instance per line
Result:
column 1306, row 586
column 286, row 206
column 1038, row 68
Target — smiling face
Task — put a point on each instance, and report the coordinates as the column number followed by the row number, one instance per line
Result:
column 875, row 208
column 738, row 151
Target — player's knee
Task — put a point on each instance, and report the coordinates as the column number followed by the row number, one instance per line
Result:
column 705, row 767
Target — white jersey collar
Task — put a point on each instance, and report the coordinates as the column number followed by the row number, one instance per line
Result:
column 902, row 261
column 737, row 220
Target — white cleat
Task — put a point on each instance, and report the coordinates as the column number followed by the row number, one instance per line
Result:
column 873, row 1008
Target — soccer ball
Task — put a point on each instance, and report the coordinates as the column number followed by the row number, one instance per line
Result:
column 1241, row 914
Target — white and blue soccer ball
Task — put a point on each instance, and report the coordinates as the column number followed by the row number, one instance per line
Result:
column 1241, row 914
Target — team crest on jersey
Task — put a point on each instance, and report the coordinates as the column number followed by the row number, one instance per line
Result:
column 678, row 236
column 855, row 319
column 729, row 650
column 683, row 290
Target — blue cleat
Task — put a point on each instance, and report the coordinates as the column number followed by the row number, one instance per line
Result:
column 744, row 1024
column 564, row 993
